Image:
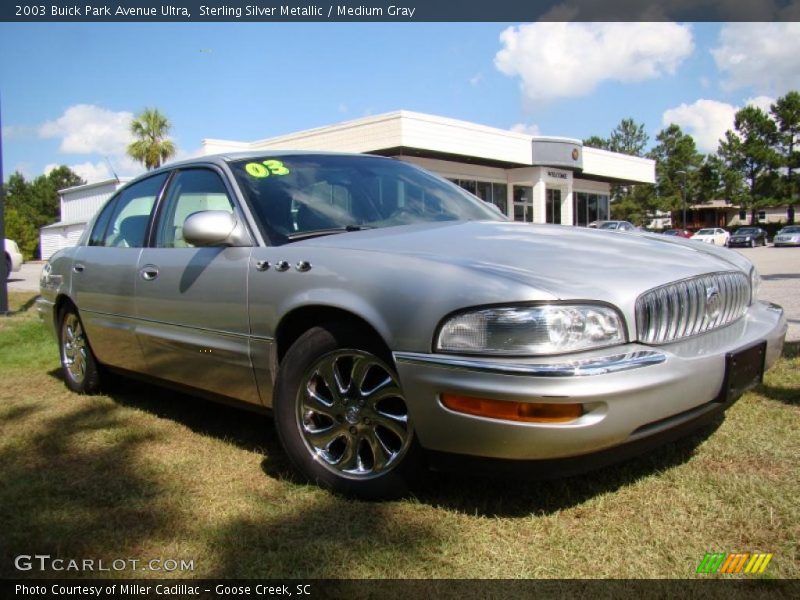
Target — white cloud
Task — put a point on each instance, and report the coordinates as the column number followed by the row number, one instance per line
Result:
column 90, row 129
column 530, row 129
column 476, row 79
column 762, row 102
column 764, row 56
column 88, row 171
column 15, row 132
column 705, row 120
column 708, row 120
column 556, row 60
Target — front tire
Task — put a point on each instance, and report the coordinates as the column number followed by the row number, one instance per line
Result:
column 341, row 416
column 78, row 364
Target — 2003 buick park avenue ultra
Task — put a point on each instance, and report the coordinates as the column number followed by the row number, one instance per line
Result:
column 391, row 320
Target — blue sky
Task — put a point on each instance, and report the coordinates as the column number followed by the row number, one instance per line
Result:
column 68, row 90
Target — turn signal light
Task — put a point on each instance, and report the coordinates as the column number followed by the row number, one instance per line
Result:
column 529, row 412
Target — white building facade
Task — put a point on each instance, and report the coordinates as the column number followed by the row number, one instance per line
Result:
column 78, row 206
column 536, row 179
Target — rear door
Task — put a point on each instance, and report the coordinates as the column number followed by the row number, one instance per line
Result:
column 104, row 274
column 192, row 302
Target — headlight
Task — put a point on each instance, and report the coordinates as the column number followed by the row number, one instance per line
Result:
column 531, row 330
column 755, row 283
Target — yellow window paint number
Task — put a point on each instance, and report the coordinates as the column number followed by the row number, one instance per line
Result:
column 266, row 168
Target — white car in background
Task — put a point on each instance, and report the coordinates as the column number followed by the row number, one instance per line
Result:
column 712, row 235
column 13, row 257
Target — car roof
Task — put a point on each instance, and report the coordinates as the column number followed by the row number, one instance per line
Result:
column 226, row 157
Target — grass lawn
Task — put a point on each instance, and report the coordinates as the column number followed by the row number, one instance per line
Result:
column 145, row 473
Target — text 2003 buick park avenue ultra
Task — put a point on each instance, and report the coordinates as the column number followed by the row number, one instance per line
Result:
column 391, row 320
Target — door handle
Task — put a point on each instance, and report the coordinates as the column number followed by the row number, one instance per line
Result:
column 149, row 272
column 78, row 268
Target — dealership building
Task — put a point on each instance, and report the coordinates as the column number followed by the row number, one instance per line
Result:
column 537, row 179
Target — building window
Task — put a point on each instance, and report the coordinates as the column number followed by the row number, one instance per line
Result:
column 762, row 216
column 485, row 190
column 589, row 207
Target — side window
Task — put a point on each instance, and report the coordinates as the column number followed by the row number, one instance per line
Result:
column 128, row 223
column 191, row 191
column 98, row 234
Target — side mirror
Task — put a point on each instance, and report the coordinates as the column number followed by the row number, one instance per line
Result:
column 214, row 228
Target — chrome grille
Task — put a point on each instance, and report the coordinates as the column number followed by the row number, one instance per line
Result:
column 692, row 306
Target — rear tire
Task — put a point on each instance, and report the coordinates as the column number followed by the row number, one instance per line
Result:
column 341, row 416
column 78, row 363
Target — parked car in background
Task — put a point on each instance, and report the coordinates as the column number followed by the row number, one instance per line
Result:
column 391, row 320
column 613, row 225
column 712, row 235
column 13, row 257
column 748, row 236
column 684, row 233
column 788, row 236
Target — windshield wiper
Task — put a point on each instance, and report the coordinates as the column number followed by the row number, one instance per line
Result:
column 303, row 235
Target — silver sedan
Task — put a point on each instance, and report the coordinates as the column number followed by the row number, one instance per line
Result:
column 392, row 321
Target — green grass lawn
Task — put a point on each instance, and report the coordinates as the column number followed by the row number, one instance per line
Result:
column 146, row 473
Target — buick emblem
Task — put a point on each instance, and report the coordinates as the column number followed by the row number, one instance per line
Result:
column 713, row 302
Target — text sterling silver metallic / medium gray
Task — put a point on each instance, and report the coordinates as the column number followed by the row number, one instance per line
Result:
column 392, row 321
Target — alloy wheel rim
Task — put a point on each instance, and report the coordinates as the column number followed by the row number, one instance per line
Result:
column 352, row 415
column 73, row 348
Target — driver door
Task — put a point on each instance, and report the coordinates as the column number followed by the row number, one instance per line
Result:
column 192, row 302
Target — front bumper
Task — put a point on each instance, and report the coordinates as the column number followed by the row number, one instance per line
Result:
column 629, row 392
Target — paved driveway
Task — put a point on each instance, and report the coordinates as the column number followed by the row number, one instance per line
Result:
column 780, row 281
column 779, row 268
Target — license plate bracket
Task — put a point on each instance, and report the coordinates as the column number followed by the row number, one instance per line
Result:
column 744, row 369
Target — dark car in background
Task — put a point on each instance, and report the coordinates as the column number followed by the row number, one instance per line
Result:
column 748, row 236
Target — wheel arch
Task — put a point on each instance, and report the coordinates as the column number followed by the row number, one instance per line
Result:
column 62, row 301
column 299, row 320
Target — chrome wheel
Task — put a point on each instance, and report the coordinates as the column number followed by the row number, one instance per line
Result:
column 352, row 415
column 73, row 348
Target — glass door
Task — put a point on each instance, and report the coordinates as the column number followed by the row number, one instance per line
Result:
column 523, row 203
column 553, row 204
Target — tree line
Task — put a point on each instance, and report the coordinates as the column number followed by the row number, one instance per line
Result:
column 30, row 205
column 755, row 166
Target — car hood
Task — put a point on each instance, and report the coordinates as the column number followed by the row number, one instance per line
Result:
column 566, row 262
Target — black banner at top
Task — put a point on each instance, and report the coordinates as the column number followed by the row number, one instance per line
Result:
column 397, row 10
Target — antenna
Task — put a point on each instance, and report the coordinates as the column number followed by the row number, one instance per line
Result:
column 110, row 166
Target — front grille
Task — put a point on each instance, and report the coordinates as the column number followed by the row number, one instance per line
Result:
column 692, row 306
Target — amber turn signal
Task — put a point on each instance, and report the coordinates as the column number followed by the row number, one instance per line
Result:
column 530, row 412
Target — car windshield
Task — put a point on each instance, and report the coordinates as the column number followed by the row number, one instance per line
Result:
column 705, row 232
column 301, row 196
column 792, row 229
column 608, row 225
column 747, row 231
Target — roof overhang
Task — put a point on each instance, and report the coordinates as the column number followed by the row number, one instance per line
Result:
column 418, row 134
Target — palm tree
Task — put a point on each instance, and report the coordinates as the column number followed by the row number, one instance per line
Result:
column 151, row 147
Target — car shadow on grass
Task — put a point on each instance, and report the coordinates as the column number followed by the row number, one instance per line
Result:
column 523, row 495
column 63, row 497
column 787, row 395
column 507, row 496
